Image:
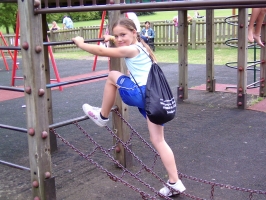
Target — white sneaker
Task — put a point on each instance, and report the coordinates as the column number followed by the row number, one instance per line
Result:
column 177, row 186
column 94, row 114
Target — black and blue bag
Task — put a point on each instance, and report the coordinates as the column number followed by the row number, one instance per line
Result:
column 160, row 105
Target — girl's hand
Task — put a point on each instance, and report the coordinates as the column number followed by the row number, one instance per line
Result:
column 108, row 38
column 78, row 40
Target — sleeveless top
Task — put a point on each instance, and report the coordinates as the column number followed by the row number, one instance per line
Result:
column 140, row 65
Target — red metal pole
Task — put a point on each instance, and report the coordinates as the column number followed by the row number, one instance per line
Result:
column 10, row 53
column 100, row 35
column 54, row 65
column 4, row 58
column 15, row 53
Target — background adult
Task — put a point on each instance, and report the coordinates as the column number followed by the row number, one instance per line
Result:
column 147, row 32
column 67, row 22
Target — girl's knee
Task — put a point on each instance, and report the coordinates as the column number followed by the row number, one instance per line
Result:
column 157, row 140
column 113, row 76
column 263, row 11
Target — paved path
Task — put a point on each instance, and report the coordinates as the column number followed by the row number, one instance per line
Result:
column 210, row 137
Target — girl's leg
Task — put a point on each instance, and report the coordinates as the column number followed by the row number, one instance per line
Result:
column 259, row 23
column 165, row 152
column 109, row 93
column 254, row 15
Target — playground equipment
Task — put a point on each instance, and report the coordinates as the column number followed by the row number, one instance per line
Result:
column 14, row 57
column 35, row 55
column 252, row 65
column 9, row 52
column 99, row 36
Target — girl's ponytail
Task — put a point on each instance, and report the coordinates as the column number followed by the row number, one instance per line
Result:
column 147, row 47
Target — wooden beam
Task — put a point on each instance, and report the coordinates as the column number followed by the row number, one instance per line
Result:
column 263, row 62
column 182, row 55
column 120, row 128
column 53, row 142
column 242, row 58
column 36, row 99
column 210, row 81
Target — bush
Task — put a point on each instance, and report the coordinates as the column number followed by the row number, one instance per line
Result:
column 144, row 13
column 83, row 16
column 76, row 17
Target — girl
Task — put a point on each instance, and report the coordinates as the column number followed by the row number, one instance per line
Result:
column 129, row 46
column 257, row 15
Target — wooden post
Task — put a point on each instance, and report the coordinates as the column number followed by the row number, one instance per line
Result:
column 193, row 33
column 242, row 58
column 120, row 128
column 263, row 63
column 53, row 143
column 52, row 39
column 81, row 32
column 210, row 81
column 182, row 92
column 36, row 101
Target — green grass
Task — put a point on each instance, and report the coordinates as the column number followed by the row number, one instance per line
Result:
column 254, row 100
column 221, row 56
column 157, row 16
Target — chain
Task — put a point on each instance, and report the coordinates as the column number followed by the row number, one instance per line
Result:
column 143, row 166
column 121, row 166
column 111, row 175
column 212, row 192
column 194, row 178
column 224, row 185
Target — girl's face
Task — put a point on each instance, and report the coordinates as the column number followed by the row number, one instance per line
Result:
column 123, row 36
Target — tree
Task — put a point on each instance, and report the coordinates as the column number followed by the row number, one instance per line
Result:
column 8, row 15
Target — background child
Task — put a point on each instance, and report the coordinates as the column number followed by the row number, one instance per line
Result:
column 54, row 26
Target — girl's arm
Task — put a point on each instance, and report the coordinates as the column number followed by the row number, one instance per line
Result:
column 121, row 52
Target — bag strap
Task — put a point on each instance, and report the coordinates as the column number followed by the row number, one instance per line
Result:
column 146, row 53
column 151, row 61
column 138, row 87
column 134, row 77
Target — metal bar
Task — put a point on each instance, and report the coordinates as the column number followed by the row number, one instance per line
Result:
column 67, row 122
column 71, row 42
column 14, row 128
column 9, row 48
column 75, row 81
column 70, row 121
column 162, row 6
column 56, row 84
column 14, row 165
column 51, row 44
column 11, row 88
column 182, row 8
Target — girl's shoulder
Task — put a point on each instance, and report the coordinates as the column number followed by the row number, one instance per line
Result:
column 141, row 48
column 137, row 45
